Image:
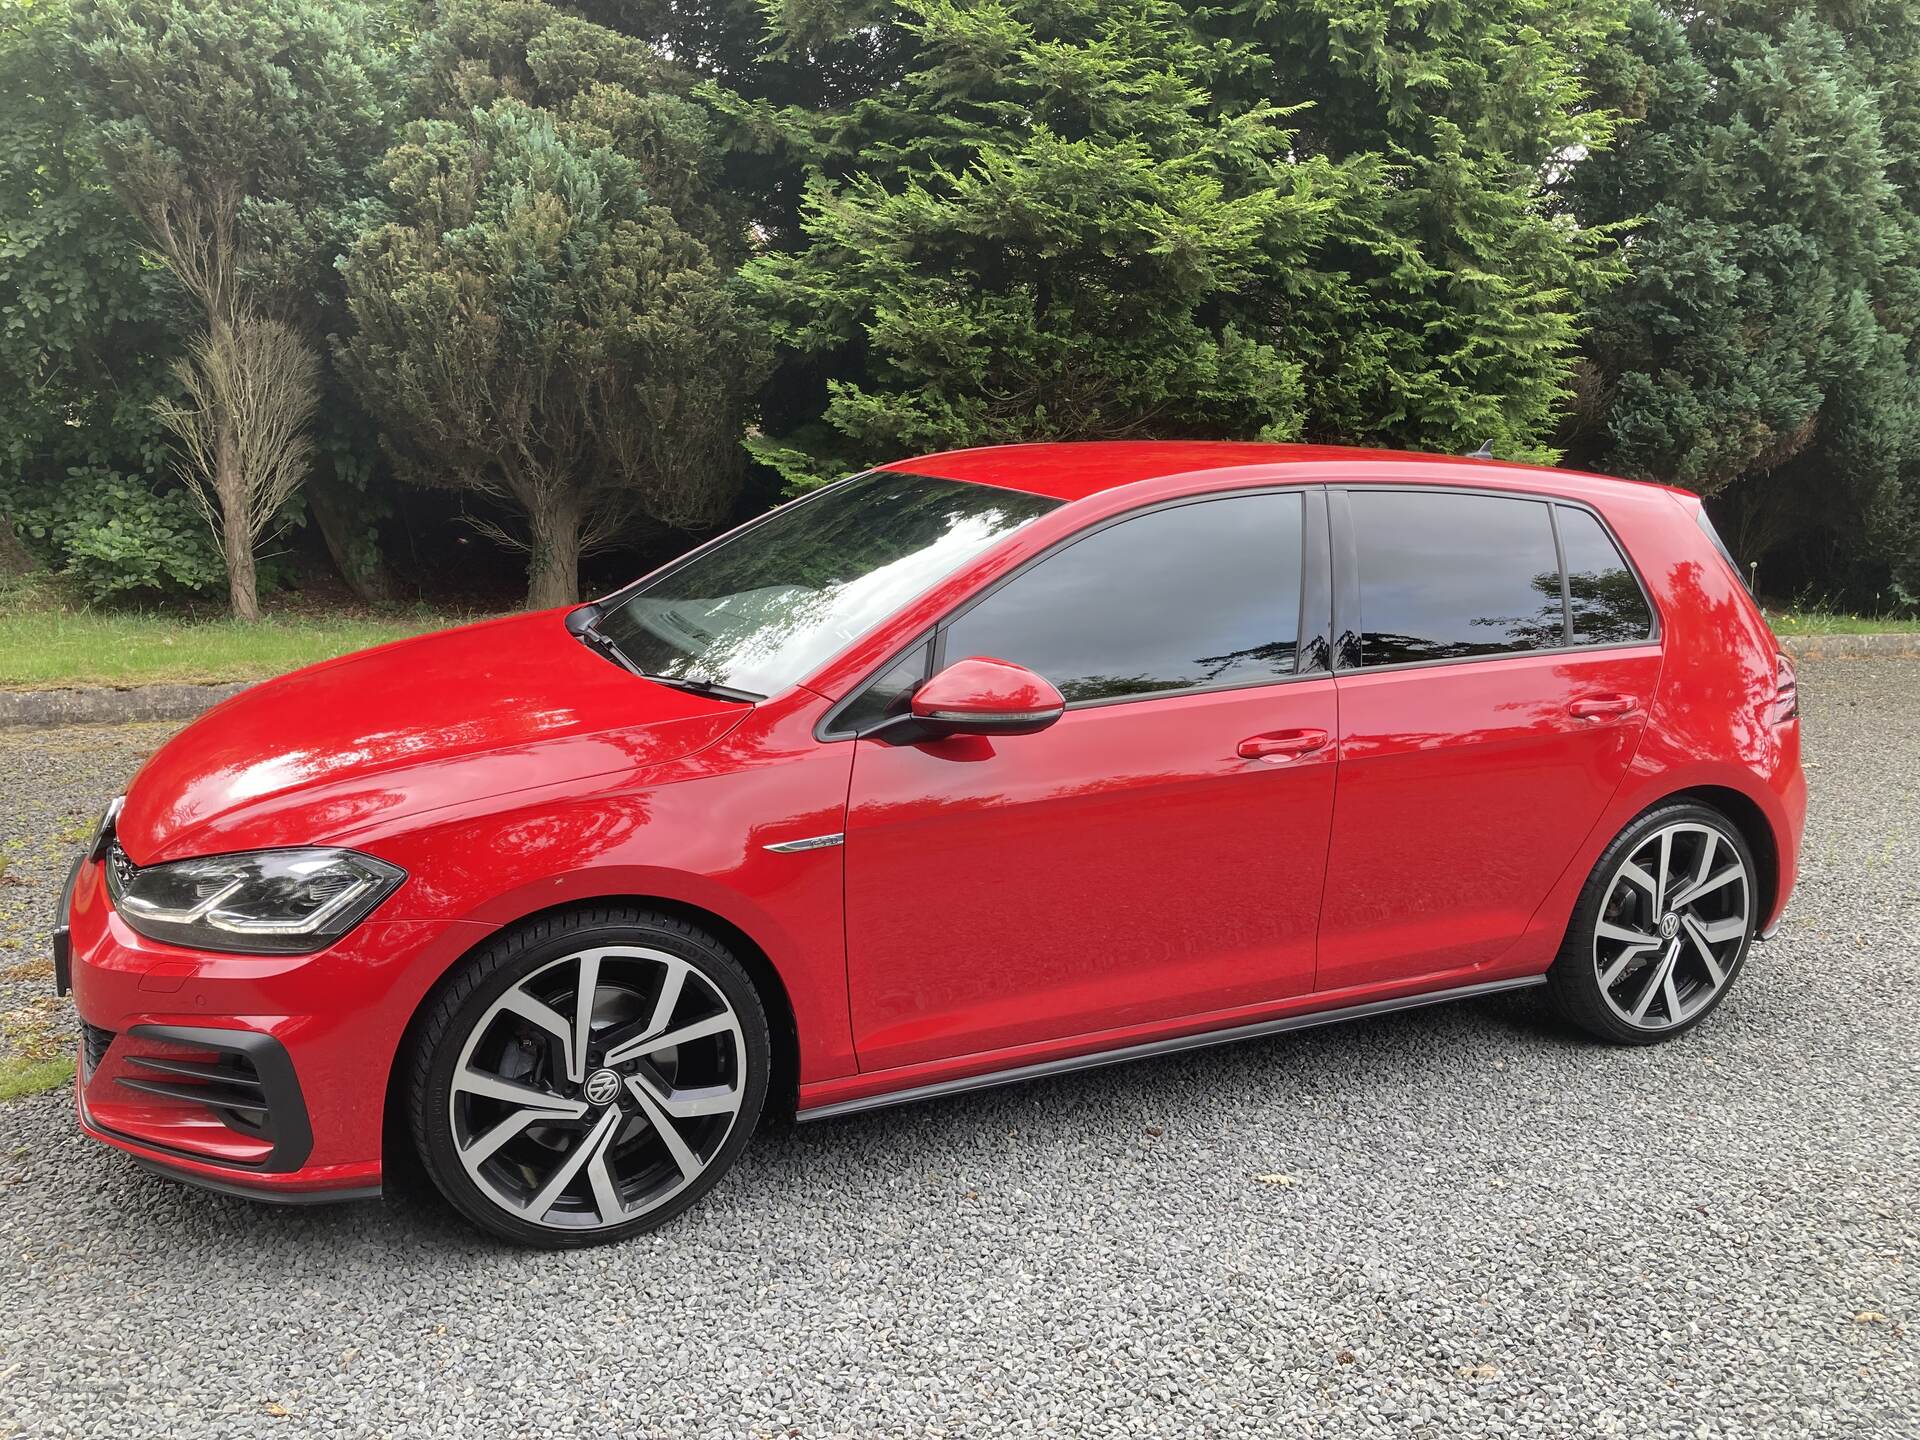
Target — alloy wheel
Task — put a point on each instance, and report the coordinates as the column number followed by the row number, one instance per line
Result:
column 598, row 1087
column 1673, row 926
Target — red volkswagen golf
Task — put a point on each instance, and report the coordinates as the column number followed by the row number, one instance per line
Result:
column 968, row 769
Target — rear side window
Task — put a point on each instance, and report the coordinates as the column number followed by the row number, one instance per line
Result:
column 1444, row 576
column 1604, row 598
column 1203, row 594
column 1705, row 522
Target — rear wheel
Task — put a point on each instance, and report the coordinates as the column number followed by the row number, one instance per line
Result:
column 589, row 1076
column 1661, row 929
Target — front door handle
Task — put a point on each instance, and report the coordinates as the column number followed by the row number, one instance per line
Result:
column 1603, row 707
column 1279, row 746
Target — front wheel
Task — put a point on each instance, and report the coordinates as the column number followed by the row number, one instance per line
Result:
column 1661, row 929
column 588, row 1076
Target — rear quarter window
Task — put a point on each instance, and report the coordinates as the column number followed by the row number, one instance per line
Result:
column 1605, row 601
column 1705, row 522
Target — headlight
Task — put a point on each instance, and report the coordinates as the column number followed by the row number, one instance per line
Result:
column 269, row 902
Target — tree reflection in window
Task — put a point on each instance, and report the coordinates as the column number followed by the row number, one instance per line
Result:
column 1447, row 576
column 1608, row 606
column 763, row 609
column 1174, row 599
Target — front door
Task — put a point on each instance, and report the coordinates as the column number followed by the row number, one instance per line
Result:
column 1158, row 852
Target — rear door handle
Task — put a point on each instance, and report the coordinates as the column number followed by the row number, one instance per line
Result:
column 1602, row 707
column 1282, row 745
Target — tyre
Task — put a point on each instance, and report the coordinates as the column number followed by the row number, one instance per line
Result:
column 1661, row 929
column 588, row 1076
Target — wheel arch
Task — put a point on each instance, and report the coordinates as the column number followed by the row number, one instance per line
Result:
column 783, row 1085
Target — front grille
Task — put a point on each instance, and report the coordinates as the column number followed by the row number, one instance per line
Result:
column 94, row 1041
column 229, row 1086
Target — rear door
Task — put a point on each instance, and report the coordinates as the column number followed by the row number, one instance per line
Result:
column 1158, row 852
column 1491, row 699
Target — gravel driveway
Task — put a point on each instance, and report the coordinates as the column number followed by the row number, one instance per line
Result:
column 1457, row 1222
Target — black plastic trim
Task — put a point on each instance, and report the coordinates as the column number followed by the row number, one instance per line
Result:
column 62, row 937
column 1152, row 1048
column 1346, row 581
column 241, row 1191
column 284, row 1125
column 1313, row 654
column 829, row 727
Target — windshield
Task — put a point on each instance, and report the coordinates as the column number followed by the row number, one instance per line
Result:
column 762, row 609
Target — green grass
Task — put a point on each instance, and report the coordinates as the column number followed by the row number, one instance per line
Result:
column 20, row 1076
column 44, row 645
column 1793, row 621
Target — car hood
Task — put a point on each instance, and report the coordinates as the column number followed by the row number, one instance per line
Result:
column 352, row 744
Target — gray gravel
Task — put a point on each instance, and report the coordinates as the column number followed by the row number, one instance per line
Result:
column 1458, row 1222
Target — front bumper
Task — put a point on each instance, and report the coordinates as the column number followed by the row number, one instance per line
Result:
column 257, row 1075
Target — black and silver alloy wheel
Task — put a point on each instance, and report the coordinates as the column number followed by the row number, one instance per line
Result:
column 593, row 1084
column 1672, row 926
column 1661, row 929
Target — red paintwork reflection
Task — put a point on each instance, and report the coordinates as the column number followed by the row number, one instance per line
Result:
column 980, row 686
column 1137, row 870
column 487, row 709
column 1126, row 863
column 1464, row 792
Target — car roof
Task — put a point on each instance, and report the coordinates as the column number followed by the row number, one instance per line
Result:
column 1074, row 470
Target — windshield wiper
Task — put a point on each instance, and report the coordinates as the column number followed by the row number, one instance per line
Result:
column 711, row 688
column 581, row 623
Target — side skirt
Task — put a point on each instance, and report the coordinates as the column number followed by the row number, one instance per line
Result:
column 1151, row 1048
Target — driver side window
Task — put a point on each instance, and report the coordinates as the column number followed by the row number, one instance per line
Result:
column 1202, row 595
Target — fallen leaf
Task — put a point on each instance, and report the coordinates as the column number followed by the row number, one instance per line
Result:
column 1155, row 1131
column 1345, row 1357
column 1869, row 1317
column 1276, row 1179
column 1477, row 1372
column 274, row 1407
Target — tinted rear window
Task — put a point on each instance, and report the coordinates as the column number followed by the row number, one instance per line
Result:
column 1607, row 605
column 1705, row 522
column 1444, row 576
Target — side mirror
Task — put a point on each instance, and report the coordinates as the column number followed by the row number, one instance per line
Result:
column 976, row 697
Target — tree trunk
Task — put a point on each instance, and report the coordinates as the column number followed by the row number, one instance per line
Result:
column 15, row 558
column 553, row 569
column 238, row 539
column 360, row 564
column 236, row 528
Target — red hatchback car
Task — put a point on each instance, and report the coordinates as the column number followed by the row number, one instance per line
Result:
column 968, row 769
